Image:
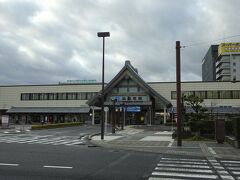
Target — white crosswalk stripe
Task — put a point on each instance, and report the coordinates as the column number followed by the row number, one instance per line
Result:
column 233, row 167
column 48, row 139
column 181, row 168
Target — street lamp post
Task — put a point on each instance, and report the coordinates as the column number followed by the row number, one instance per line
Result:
column 103, row 35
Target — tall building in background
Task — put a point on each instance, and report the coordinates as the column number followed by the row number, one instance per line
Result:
column 228, row 62
column 222, row 63
column 209, row 64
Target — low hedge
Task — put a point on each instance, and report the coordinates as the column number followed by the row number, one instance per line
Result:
column 59, row 125
column 236, row 124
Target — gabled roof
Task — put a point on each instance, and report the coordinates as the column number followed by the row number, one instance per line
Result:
column 132, row 72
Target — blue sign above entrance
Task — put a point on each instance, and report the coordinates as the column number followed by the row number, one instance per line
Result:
column 117, row 98
column 134, row 109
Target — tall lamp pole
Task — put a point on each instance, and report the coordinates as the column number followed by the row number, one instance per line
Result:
column 103, row 35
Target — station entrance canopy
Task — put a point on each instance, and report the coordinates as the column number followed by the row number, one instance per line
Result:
column 129, row 89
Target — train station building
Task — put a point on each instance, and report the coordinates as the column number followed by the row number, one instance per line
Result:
column 127, row 94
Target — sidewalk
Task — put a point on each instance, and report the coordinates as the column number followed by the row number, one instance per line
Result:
column 154, row 140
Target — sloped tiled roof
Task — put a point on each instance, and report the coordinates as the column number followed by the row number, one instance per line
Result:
column 128, row 68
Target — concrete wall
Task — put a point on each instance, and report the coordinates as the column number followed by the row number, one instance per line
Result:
column 11, row 95
column 165, row 90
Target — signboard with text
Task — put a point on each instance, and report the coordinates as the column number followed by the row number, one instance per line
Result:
column 134, row 109
column 229, row 48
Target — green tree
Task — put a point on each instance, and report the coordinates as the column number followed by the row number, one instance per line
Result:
column 195, row 118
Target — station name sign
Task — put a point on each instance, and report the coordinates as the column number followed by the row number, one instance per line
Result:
column 83, row 81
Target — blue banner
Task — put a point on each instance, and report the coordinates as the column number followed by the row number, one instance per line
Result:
column 134, row 109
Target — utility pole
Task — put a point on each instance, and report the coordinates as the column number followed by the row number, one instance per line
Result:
column 178, row 87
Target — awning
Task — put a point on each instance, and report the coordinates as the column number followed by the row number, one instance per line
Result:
column 148, row 103
column 49, row 110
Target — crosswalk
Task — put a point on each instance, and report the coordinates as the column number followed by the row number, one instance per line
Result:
column 41, row 139
column 180, row 168
column 129, row 131
column 233, row 167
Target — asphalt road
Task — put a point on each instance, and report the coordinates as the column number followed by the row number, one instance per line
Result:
column 68, row 131
column 38, row 161
column 60, row 154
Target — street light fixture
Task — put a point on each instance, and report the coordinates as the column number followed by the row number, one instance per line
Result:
column 103, row 35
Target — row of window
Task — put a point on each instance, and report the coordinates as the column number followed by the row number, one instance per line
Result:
column 127, row 90
column 58, row 96
column 224, row 94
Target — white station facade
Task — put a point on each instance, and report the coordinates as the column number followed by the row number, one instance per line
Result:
column 137, row 101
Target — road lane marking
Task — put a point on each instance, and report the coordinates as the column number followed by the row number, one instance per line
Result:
column 6, row 164
column 58, row 167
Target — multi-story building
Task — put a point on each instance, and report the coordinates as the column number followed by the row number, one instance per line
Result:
column 222, row 63
column 209, row 64
column 139, row 101
column 228, row 62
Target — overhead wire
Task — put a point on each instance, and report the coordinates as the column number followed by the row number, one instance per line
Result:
column 212, row 41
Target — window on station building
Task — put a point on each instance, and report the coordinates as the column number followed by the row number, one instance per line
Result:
column 74, row 96
column 123, row 90
column 41, row 96
column 173, row 95
column 45, row 96
column 115, row 90
column 78, row 96
column 133, row 89
column 200, row 94
column 188, row 93
column 62, row 96
column 236, row 94
column 35, row 96
column 140, row 89
column 57, row 96
column 212, row 94
column 83, row 96
column 69, row 96
column 89, row 95
column 225, row 94
column 25, row 96
column 51, row 96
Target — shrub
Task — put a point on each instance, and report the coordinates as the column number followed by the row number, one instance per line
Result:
column 59, row 125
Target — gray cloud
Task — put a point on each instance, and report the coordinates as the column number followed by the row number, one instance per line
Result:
column 50, row 41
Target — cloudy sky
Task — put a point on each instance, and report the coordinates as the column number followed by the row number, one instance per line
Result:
column 48, row 41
